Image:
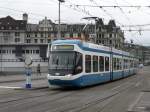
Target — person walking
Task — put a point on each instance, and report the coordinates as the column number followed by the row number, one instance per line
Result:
column 38, row 69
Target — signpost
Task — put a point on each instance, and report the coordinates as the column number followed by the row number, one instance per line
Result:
column 28, row 71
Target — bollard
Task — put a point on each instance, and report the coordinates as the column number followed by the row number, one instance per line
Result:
column 28, row 71
column 28, row 78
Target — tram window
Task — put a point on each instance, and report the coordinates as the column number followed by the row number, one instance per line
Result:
column 124, row 64
column 117, row 64
column 101, row 63
column 120, row 64
column 87, row 63
column 127, row 64
column 78, row 63
column 106, row 63
column 95, row 63
column 114, row 64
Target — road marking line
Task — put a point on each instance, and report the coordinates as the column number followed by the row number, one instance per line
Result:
column 137, row 84
column 9, row 87
column 130, row 109
column 115, row 87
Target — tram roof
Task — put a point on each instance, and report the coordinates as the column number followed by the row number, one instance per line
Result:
column 93, row 46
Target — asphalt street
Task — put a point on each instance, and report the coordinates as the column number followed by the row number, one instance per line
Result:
column 125, row 95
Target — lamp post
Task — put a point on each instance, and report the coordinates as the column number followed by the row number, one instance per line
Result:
column 59, row 28
column 1, row 55
column 95, row 32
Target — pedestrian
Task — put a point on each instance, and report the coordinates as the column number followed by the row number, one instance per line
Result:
column 38, row 69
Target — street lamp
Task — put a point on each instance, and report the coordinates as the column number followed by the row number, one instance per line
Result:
column 95, row 32
column 59, row 28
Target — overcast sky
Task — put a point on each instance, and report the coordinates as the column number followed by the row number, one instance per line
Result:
column 38, row 9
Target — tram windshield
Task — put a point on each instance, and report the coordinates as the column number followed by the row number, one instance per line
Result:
column 65, row 62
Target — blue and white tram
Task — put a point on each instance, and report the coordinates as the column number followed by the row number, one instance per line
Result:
column 78, row 64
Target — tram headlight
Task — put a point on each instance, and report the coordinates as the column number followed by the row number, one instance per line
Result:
column 69, row 75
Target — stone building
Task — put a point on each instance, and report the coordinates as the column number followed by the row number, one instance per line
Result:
column 16, row 44
column 12, row 31
column 109, row 35
column 19, row 39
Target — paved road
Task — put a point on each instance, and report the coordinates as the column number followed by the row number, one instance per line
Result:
column 129, row 94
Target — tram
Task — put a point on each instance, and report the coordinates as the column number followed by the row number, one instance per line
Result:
column 78, row 64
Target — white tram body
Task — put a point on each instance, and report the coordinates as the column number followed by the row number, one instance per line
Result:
column 78, row 64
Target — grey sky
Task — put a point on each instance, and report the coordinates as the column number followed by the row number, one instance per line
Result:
column 38, row 9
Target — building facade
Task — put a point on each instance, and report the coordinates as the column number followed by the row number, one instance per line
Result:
column 19, row 39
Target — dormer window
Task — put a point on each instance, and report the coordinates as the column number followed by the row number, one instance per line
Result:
column 2, row 28
column 17, row 28
column 10, row 28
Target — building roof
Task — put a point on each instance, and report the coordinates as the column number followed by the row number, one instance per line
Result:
column 32, row 27
column 9, row 23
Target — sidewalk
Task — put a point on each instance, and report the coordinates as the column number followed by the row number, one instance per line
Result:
column 20, row 77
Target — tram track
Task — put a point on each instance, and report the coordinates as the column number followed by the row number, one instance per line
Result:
column 109, row 97
column 116, row 92
column 96, row 101
column 49, row 99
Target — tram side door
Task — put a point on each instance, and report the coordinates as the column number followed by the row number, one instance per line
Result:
column 111, row 66
column 123, row 63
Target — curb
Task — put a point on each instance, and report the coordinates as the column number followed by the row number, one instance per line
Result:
column 19, row 80
column 33, row 88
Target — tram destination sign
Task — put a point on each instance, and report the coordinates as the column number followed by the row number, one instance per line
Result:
column 63, row 47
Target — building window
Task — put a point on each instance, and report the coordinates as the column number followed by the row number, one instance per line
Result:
column 87, row 63
column 42, row 35
column 95, row 63
column 27, row 51
column 3, row 51
column 71, row 35
column 35, row 35
column 10, row 27
column 23, row 51
column 37, row 51
column 6, row 39
column 28, row 40
column 106, row 63
column 17, row 28
column 79, row 34
column 13, row 51
column 110, row 35
column 49, row 40
column 2, row 28
column 35, row 40
column 41, row 40
column 34, row 51
column 28, row 35
column 30, row 51
column 17, row 39
column 101, row 63
column 17, row 34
